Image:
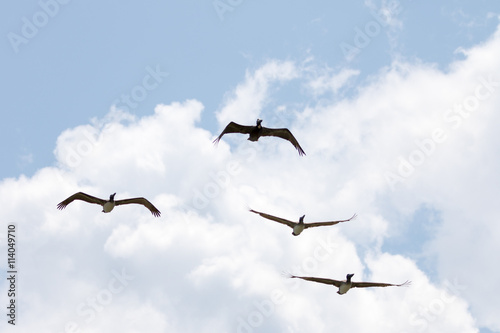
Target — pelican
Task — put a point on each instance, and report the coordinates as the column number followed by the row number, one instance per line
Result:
column 255, row 132
column 298, row 227
column 108, row 205
column 344, row 286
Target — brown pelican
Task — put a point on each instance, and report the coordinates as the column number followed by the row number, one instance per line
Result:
column 344, row 286
column 255, row 132
column 108, row 205
column 298, row 227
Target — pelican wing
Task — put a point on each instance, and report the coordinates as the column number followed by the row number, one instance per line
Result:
column 233, row 127
column 274, row 218
column 378, row 284
column 319, row 280
column 283, row 133
column 319, row 224
column 140, row 201
column 80, row 196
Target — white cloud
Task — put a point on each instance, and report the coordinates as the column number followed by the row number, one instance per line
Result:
column 247, row 100
column 330, row 82
column 387, row 11
column 209, row 265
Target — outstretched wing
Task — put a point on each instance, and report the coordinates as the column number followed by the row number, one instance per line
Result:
column 140, row 201
column 319, row 280
column 233, row 127
column 283, row 133
column 319, row 224
column 377, row 284
column 80, row 196
column 274, row 218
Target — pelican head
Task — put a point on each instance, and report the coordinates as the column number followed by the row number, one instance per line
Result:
column 299, row 227
column 108, row 206
column 349, row 276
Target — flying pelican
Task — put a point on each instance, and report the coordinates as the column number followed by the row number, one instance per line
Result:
column 108, row 205
column 344, row 286
column 300, row 226
column 255, row 132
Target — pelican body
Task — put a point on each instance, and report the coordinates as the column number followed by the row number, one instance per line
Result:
column 300, row 226
column 347, row 284
column 255, row 132
column 108, row 205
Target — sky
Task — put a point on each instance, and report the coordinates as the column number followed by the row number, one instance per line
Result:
column 394, row 102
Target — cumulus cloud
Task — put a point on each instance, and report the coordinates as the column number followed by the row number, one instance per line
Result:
column 209, row 265
column 247, row 100
column 329, row 81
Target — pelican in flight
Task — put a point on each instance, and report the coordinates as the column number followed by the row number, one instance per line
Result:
column 298, row 227
column 255, row 132
column 344, row 286
column 108, row 205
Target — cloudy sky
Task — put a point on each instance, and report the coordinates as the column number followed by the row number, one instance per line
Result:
column 396, row 104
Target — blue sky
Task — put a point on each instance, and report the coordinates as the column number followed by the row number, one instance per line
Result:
column 87, row 56
column 95, row 94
